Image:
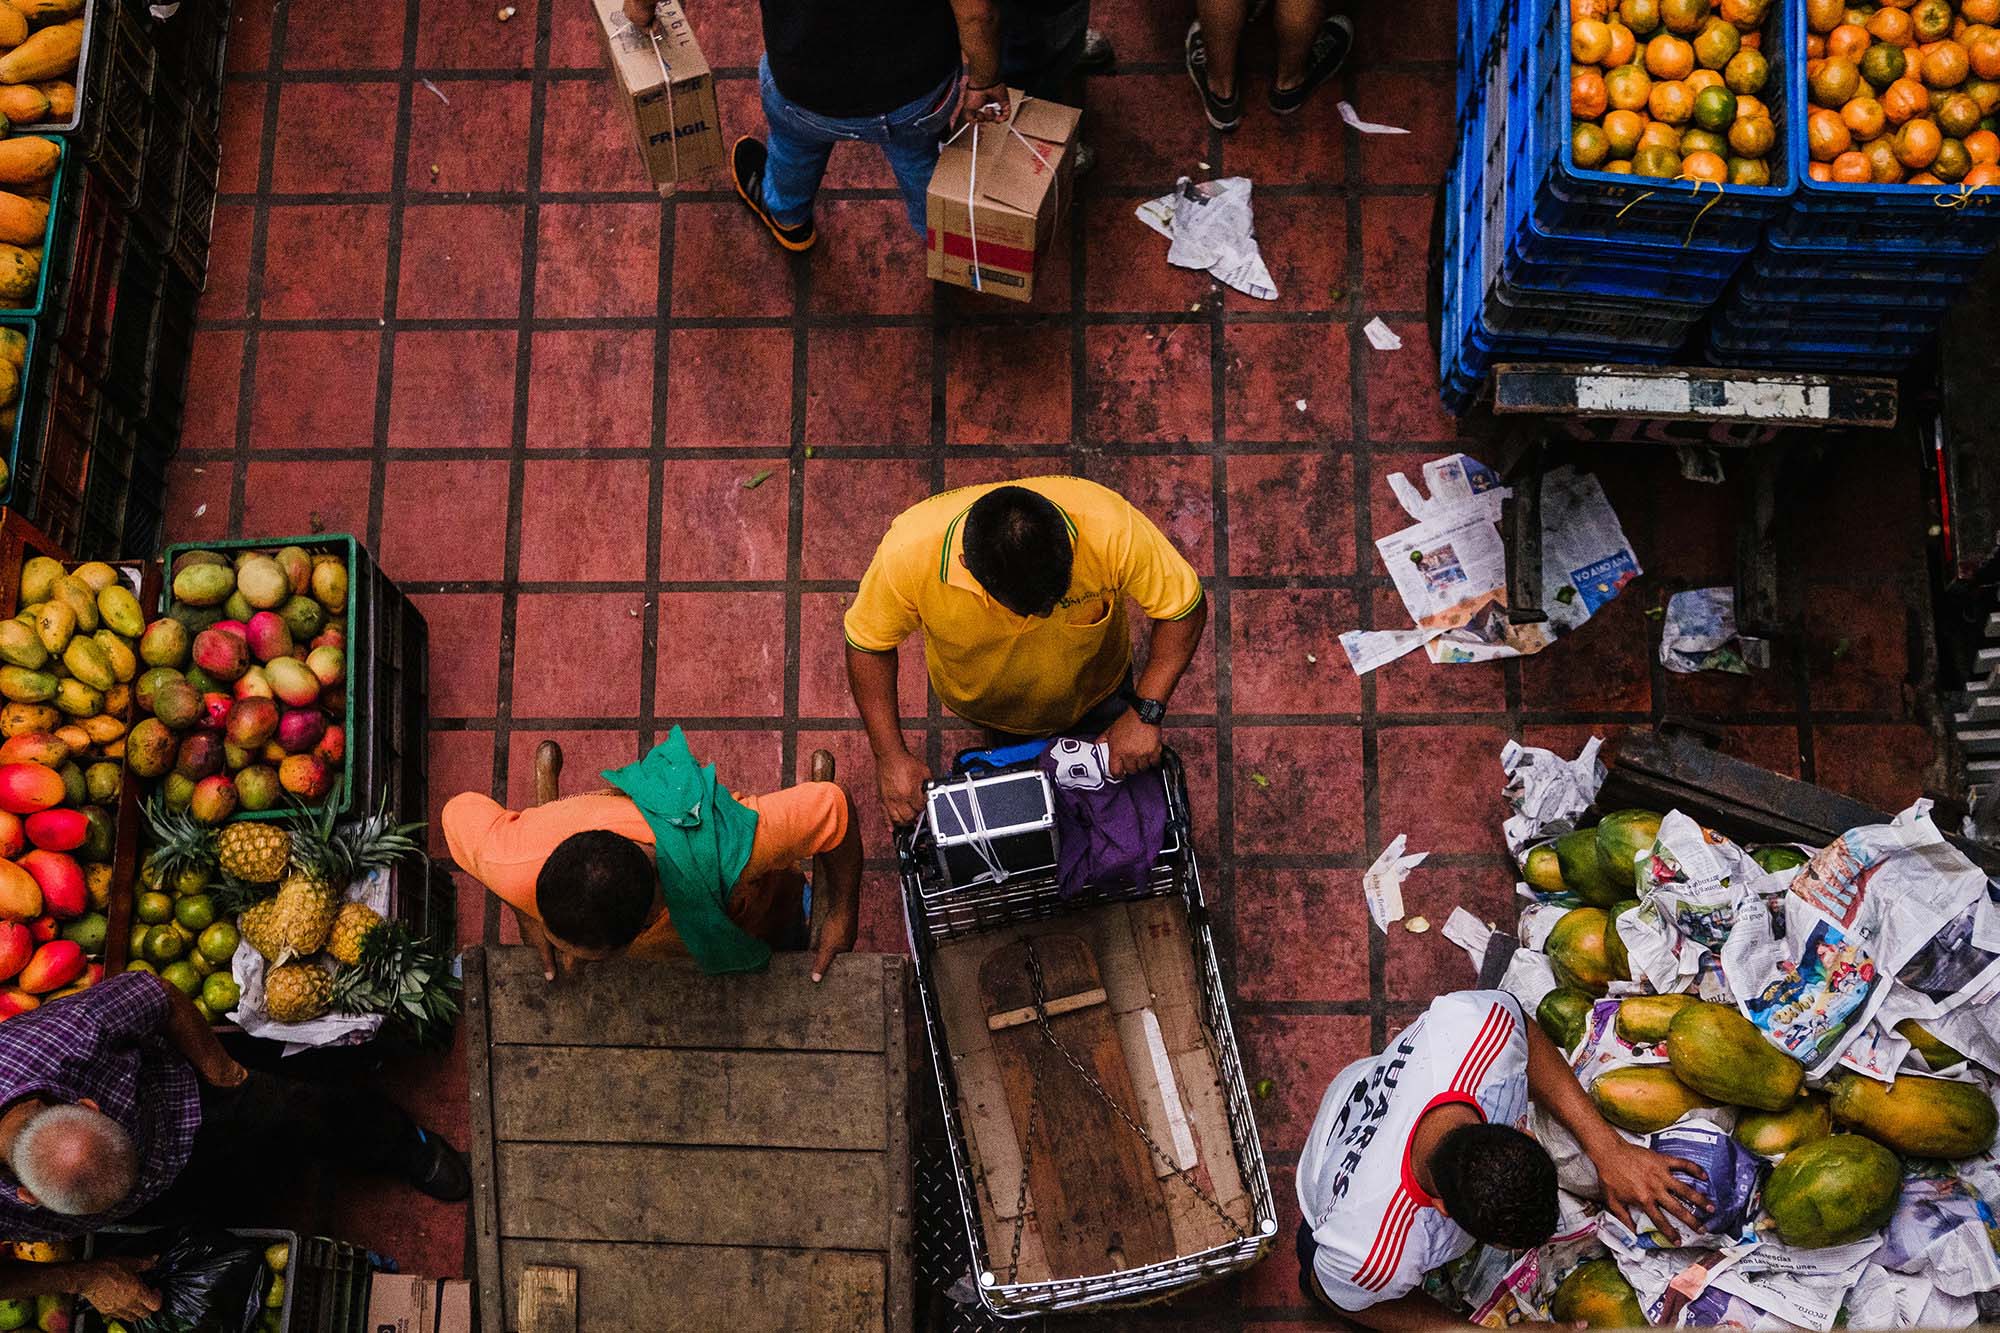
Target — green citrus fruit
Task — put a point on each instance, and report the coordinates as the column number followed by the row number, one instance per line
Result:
column 218, row 942
column 220, row 992
column 154, row 908
column 182, row 977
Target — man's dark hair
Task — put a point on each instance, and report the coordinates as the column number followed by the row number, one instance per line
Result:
column 1017, row 545
column 1498, row 1184
column 595, row 890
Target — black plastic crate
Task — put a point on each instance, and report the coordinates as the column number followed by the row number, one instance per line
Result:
column 389, row 649
column 124, row 488
column 191, row 47
column 57, row 435
column 330, row 1287
column 117, row 94
column 83, row 294
column 136, row 312
column 183, row 165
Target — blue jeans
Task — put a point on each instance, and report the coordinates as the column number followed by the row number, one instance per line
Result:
column 801, row 141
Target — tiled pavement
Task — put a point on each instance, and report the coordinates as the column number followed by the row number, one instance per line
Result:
column 631, row 463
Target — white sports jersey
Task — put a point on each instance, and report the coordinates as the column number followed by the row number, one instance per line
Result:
column 1376, row 1230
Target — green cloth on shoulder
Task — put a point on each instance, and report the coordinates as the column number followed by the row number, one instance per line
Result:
column 701, row 843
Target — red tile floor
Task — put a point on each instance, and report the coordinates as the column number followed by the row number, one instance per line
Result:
column 446, row 313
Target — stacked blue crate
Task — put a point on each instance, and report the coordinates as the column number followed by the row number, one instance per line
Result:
column 1852, row 277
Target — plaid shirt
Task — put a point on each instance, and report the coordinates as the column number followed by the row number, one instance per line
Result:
column 108, row 1044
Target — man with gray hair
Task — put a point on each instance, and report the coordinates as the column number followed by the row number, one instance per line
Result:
column 120, row 1099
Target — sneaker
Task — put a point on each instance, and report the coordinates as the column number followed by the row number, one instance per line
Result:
column 438, row 1169
column 1225, row 113
column 1329, row 53
column 1086, row 158
column 746, row 168
column 1097, row 52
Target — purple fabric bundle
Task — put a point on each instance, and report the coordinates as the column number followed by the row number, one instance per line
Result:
column 1108, row 832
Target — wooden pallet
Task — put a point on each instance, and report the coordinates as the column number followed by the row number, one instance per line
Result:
column 705, row 1152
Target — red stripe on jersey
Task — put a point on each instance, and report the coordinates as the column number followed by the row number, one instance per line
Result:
column 1477, row 1076
column 1485, row 1033
column 1397, row 1232
column 1381, row 1238
column 1493, row 1038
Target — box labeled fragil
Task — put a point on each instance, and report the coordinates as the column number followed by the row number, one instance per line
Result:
column 667, row 91
column 401, row 1303
column 997, row 195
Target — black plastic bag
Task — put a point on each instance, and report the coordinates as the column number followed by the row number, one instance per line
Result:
column 206, row 1279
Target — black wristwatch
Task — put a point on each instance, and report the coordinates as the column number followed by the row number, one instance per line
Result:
column 1150, row 711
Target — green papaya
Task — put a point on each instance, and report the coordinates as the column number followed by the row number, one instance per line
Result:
column 1776, row 1133
column 1614, row 943
column 1774, row 859
column 27, row 687
column 20, row 647
column 1541, row 867
column 1721, row 1054
column 1576, row 950
column 1644, row 1019
column 1833, row 1190
column 1915, row 1116
column 1596, row 1295
column 1644, row 1098
column 1937, row 1054
column 1564, row 1013
column 1584, row 872
column 1623, row 836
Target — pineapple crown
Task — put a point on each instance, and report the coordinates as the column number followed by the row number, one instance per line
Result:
column 409, row 979
column 340, row 854
column 181, row 842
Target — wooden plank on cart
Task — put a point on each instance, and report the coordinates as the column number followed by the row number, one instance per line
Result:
column 1091, row 1177
column 547, row 1298
column 703, row 1288
column 479, row 1098
column 1695, row 393
column 627, row 1002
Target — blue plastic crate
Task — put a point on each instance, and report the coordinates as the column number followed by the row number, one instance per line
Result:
column 1817, row 268
column 1730, row 345
column 1825, row 322
column 1480, row 23
column 1572, row 201
column 1753, row 286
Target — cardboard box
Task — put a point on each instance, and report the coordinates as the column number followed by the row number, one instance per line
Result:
column 400, row 1303
column 1004, row 204
column 667, row 91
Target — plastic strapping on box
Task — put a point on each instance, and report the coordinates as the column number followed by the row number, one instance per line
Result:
column 972, row 183
column 673, row 121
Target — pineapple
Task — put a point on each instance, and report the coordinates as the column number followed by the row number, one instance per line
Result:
column 259, row 925
column 351, row 929
column 339, row 856
column 254, row 852
column 184, row 852
column 297, row 992
column 304, row 911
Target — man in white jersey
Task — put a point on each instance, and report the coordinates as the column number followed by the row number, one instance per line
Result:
column 1414, row 1156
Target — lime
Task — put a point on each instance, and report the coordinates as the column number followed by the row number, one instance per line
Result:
column 191, row 880
column 1714, row 110
column 154, row 908
column 196, row 912
column 89, row 930
column 218, row 942
column 220, row 993
column 202, row 966
column 141, row 965
column 201, row 1007
column 181, row 976
column 277, row 1256
column 165, row 944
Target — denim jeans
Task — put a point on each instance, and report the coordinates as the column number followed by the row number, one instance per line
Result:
column 801, row 141
column 1041, row 47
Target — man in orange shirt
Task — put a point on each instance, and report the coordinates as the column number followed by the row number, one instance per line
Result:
column 604, row 874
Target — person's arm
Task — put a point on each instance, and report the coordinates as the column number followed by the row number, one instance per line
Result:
column 113, row 1286
column 1636, row 1180
column 979, row 42
column 899, row 775
column 838, row 874
column 639, row 13
column 192, row 1036
column 1135, row 746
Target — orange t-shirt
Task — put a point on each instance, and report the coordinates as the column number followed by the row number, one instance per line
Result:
column 504, row 850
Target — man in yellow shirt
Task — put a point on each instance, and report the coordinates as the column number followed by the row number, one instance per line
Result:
column 1019, row 589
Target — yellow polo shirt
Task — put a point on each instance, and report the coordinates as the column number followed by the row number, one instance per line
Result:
column 1029, row 675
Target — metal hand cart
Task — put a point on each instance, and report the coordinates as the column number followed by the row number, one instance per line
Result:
column 940, row 916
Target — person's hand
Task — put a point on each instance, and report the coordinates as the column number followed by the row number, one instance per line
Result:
column 116, row 1290
column 835, row 936
column 987, row 104
column 1135, row 746
column 900, row 779
column 532, row 933
column 639, row 13
column 225, row 1073
column 1640, row 1181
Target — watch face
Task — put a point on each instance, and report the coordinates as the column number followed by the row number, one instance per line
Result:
column 1151, row 711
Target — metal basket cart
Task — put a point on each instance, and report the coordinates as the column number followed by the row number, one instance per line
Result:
column 937, row 913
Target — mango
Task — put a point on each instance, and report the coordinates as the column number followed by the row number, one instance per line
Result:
column 1584, row 872
column 1937, row 1054
column 297, row 566
column 263, row 583
column 118, row 653
column 120, row 611
column 146, row 689
column 1576, row 950
column 78, row 699
column 87, row 663
column 63, row 894
column 74, row 738
column 20, row 647
column 1917, row 1116
column 1776, row 1133
column 238, row 607
column 1596, row 1295
column 38, row 579
column 100, row 840
column 305, row 618
column 1721, row 1054
column 1563, row 1014
column 201, row 585
column 20, row 896
column 27, row 687
column 1833, row 1190
column 176, row 703
column 95, row 574
column 78, row 596
column 1542, row 869
column 74, row 790
column 18, row 718
column 17, row 946
column 329, row 582
column 54, row 965
column 103, row 781
column 197, row 557
column 97, row 882
column 1643, row 1019
column 149, row 749
column 165, row 643
column 103, row 729
column 35, row 747
column 1644, row 1098
column 55, row 622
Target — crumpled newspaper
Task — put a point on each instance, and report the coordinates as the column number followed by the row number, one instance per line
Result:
column 1211, row 228
column 1546, row 791
column 1383, row 882
column 248, row 967
column 1699, row 633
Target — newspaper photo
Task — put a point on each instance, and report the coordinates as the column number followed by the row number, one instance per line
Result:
column 1450, row 567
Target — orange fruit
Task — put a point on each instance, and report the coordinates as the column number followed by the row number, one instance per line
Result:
column 1864, row 118
column 1820, row 171
column 1622, row 129
column 1847, row 42
column 1668, row 57
column 1705, row 167
column 1589, row 41
column 1717, row 41
column 1749, row 171
column 1931, row 19
column 1957, row 115
column 1627, row 87
column 1982, row 53
column 1745, row 14
column 1702, row 80
column 1983, row 147
column 1883, row 65
column 1684, row 16
column 1588, row 147
column 1835, row 81
column 1923, row 178
column 1851, row 168
column 1827, row 135
column 1917, row 144
column 1986, row 92
column 1752, row 136
column 1623, row 45
column 1641, row 16
column 1660, row 163
column 1903, row 99
column 1746, row 72
column 1815, row 47
column 1983, row 176
column 1588, row 9
column 1980, row 11
column 1671, row 103
column 1824, row 16
column 1586, row 94
column 1659, row 134
column 1883, row 167
column 1945, row 65
column 1891, row 26
column 1952, row 162
column 1755, row 41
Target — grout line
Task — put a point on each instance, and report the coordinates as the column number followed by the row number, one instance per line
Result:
column 253, row 292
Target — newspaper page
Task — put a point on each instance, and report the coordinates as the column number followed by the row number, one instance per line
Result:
column 1866, row 914
column 1547, row 792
